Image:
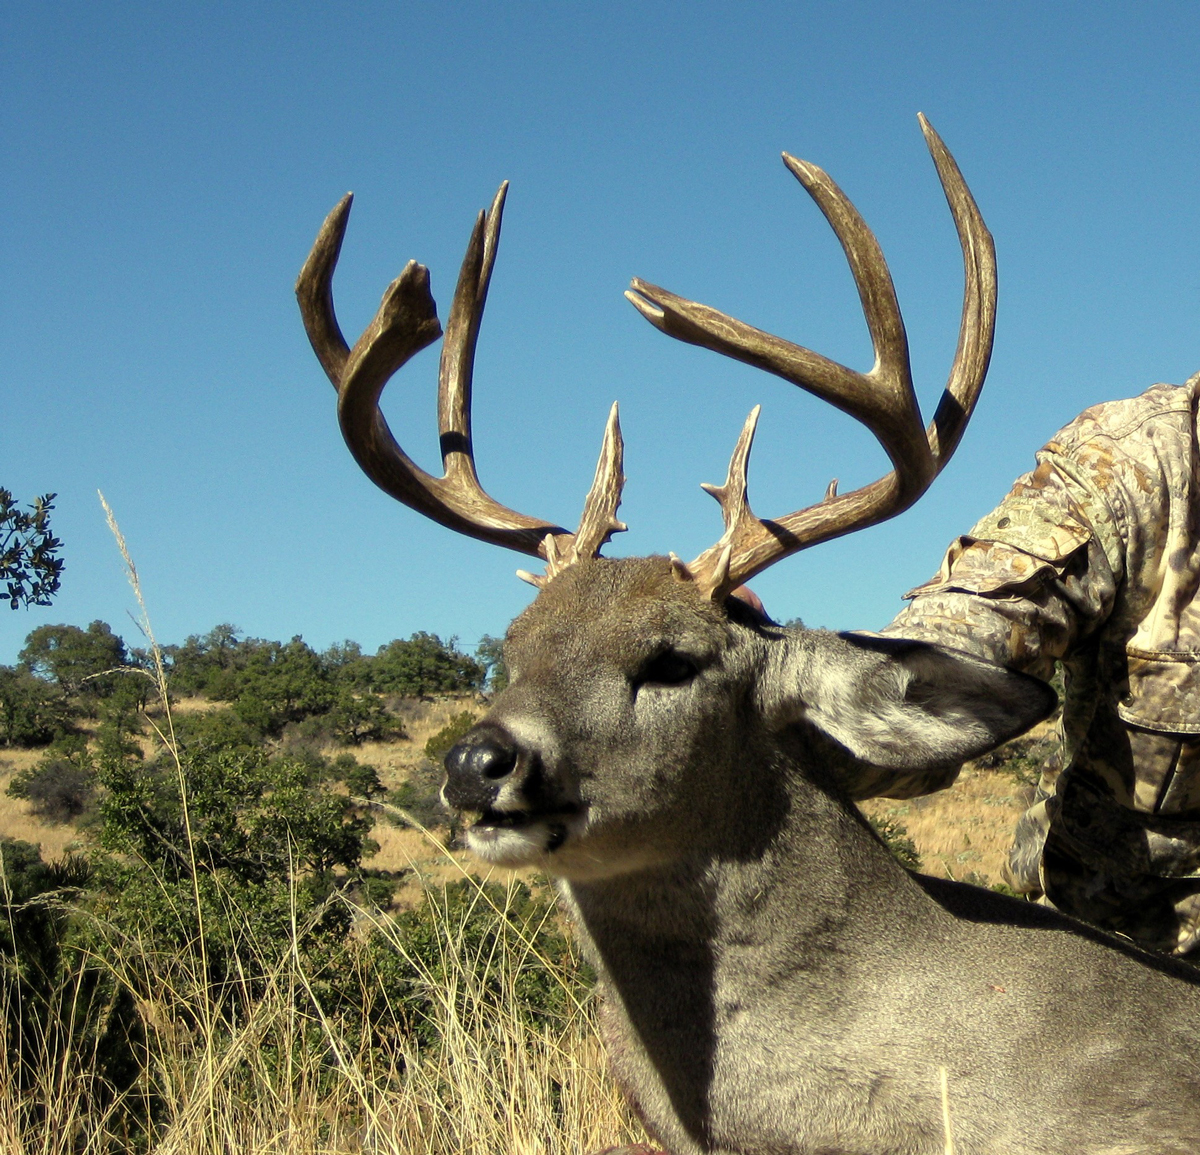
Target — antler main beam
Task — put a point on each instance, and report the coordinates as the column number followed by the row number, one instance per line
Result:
column 882, row 399
column 405, row 323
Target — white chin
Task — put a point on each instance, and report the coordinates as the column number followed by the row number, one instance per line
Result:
column 509, row 846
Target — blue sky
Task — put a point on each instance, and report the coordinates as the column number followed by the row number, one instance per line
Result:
column 167, row 167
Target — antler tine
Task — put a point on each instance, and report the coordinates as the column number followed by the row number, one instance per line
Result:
column 458, row 349
column 978, row 326
column 882, row 399
column 599, row 521
column 735, row 511
column 314, row 291
column 405, row 323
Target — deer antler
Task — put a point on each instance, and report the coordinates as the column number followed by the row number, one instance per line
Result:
column 882, row 399
column 406, row 323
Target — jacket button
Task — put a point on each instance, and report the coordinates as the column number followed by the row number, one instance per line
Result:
column 1004, row 523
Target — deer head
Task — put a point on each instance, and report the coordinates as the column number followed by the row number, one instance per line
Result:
column 642, row 691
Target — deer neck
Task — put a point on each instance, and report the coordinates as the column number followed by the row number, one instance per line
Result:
column 684, row 952
column 780, row 884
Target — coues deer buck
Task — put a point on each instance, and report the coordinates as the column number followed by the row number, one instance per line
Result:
column 773, row 980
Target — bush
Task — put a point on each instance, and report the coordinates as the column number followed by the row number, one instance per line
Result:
column 355, row 717
column 219, row 729
column 259, row 818
column 61, row 786
column 361, row 778
column 490, row 654
column 439, row 745
column 420, row 798
column 894, row 836
column 56, row 999
column 195, row 665
column 483, row 916
column 84, row 663
column 274, row 685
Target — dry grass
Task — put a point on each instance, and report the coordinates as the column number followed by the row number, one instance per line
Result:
column 17, row 819
column 491, row 1083
column 965, row 832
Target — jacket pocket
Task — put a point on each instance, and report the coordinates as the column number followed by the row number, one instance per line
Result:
column 1163, row 691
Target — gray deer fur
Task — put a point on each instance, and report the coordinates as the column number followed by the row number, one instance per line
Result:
column 773, row 981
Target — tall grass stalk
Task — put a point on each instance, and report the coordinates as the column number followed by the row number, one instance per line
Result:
column 262, row 1067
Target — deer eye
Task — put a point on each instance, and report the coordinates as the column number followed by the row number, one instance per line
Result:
column 666, row 669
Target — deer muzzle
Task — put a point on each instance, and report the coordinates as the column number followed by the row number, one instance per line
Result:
column 478, row 767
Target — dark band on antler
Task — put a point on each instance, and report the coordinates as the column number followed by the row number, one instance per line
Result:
column 882, row 399
column 406, row 323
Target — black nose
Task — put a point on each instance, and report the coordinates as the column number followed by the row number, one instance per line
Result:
column 475, row 768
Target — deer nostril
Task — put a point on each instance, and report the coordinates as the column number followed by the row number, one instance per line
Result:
column 489, row 758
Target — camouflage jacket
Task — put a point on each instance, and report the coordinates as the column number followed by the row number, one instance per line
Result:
column 1094, row 559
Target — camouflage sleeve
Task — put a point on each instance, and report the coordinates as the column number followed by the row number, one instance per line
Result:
column 1032, row 579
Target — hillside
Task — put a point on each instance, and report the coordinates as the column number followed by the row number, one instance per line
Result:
column 961, row 833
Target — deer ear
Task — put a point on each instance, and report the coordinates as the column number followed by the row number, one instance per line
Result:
column 908, row 705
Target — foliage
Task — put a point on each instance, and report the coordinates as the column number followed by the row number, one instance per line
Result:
column 55, row 999
column 61, row 785
column 450, row 1033
column 258, row 818
column 894, row 836
column 277, row 684
column 196, row 664
column 438, row 746
column 32, row 711
column 423, row 664
column 354, row 717
column 419, row 799
column 29, row 564
column 490, row 655
column 85, row 664
column 218, row 729
column 361, row 778
column 341, row 656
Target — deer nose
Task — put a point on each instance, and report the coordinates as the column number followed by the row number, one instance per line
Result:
column 475, row 768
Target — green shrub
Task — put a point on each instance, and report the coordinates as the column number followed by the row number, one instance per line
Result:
column 894, row 836
column 361, row 778
column 439, row 745
column 425, row 964
column 422, row 665
column 61, row 785
column 356, row 716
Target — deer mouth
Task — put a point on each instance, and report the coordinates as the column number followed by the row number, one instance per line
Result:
column 499, row 835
